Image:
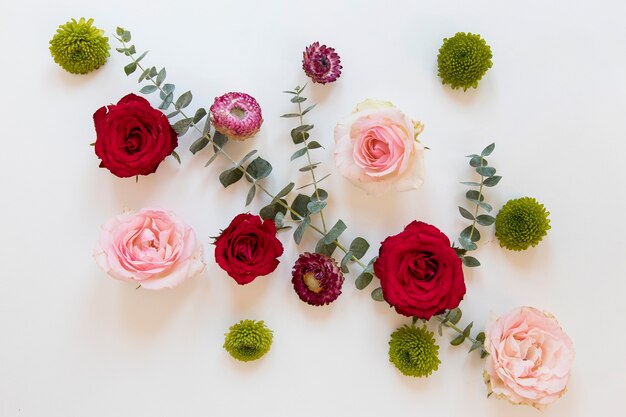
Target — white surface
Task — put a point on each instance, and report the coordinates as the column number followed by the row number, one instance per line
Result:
column 74, row 342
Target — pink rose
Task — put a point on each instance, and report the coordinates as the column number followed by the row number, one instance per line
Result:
column 376, row 148
column 530, row 357
column 151, row 247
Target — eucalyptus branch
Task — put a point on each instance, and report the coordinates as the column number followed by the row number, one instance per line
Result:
column 156, row 79
column 450, row 319
column 470, row 235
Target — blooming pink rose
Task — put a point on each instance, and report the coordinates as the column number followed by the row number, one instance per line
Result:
column 376, row 148
column 151, row 247
column 530, row 357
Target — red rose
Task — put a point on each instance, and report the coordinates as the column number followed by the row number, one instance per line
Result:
column 420, row 274
column 132, row 137
column 248, row 248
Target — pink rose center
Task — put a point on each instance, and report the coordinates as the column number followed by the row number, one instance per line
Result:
column 380, row 149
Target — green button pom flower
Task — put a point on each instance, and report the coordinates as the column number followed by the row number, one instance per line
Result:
column 522, row 223
column 463, row 60
column 79, row 47
column 248, row 340
column 413, row 351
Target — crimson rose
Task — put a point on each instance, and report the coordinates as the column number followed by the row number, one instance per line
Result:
column 420, row 274
column 132, row 137
column 248, row 248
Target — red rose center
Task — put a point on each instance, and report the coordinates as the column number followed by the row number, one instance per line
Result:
column 423, row 267
column 245, row 248
column 133, row 141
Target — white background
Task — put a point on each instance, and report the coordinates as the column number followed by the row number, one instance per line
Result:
column 74, row 342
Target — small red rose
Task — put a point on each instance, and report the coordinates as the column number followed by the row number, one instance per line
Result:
column 420, row 273
column 248, row 248
column 133, row 138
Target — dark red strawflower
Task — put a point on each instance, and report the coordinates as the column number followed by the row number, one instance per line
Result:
column 317, row 279
column 321, row 63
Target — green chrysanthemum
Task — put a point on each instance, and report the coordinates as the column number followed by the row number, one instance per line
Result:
column 79, row 47
column 522, row 223
column 413, row 351
column 463, row 60
column 248, row 340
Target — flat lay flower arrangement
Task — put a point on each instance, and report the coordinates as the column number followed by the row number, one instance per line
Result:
column 418, row 271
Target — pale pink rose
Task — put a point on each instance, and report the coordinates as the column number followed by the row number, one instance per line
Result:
column 376, row 148
column 151, row 247
column 530, row 357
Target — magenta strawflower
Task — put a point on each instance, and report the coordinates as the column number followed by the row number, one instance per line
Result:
column 321, row 63
column 317, row 279
column 236, row 115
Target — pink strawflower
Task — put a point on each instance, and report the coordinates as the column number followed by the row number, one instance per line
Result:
column 321, row 63
column 317, row 279
column 236, row 115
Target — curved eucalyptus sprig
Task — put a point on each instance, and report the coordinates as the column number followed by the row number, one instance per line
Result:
column 308, row 206
column 488, row 178
column 450, row 319
column 253, row 171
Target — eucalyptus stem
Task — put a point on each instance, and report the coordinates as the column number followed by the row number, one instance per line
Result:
column 480, row 193
column 221, row 150
column 454, row 327
column 308, row 157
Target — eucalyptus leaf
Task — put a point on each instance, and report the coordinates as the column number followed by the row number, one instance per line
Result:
column 142, row 56
column 298, row 153
column 467, row 244
column 130, row 68
column 474, row 195
column 471, row 183
column 288, row 115
column 491, row 181
column 211, row 159
column 363, row 280
column 147, row 89
column 161, row 76
column 359, row 247
column 271, row 210
column 299, row 205
column 465, row 213
column 316, row 206
column 119, row 31
column 299, row 232
column 230, row 176
column 125, row 36
column 219, row 139
column 485, row 220
column 296, row 99
column 167, row 101
column 279, row 219
column 246, row 157
column 458, row 340
column 200, row 113
column 476, row 345
column 166, row 90
column 468, row 330
column 309, row 167
column 484, row 205
column 475, row 235
column 335, row 232
column 377, row 294
column 181, row 126
column 321, row 193
column 477, row 161
column 454, row 315
column 470, row 261
column 308, row 109
column 344, row 262
column 486, row 171
column 184, row 100
column 298, row 137
column 173, row 114
column 324, row 249
column 487, row 151
column 176, row 156
column 251, row 194
column 303, row 128
column 282, row 193
column 314, row 145
column 144, row 74
column 198, row 144
column 259, row 168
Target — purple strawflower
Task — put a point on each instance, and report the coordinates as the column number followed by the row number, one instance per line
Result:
column 321, row 63
column 317, row 279
column 236, row 115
